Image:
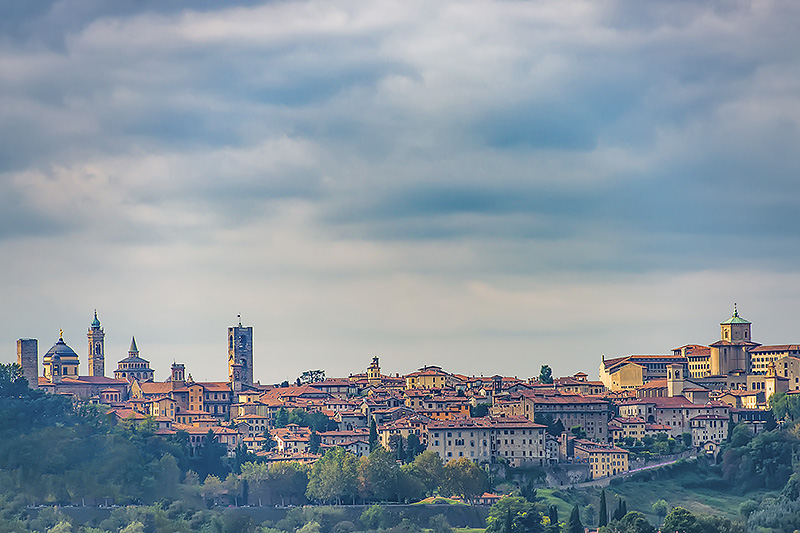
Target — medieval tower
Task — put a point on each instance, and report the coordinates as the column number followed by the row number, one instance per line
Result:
column 240, row 354
column 96, row 335
column 28, row 359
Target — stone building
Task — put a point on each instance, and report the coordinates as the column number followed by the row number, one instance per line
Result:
column 96, row 337
column 240, row 355
column 134, row 367
column 28, row 360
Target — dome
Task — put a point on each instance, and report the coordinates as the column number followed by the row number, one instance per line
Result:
column 95, row 322
column 60, row 351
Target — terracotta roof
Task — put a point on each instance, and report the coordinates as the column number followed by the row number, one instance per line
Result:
column 709, row 417
column 151, row 387
column 486, row 422
column 777, row 348
column 565, row 399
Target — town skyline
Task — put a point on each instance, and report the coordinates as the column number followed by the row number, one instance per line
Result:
column 262, row 365
column 487, row 186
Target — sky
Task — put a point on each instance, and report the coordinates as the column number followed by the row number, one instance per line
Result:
column 488, row 186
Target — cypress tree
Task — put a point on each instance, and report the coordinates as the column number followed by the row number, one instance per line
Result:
column 603, row 518
column 373, row 435
column 574, row 525
column 620, row 512
column 553, row 518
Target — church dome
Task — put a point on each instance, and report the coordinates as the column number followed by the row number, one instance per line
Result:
column 60, row 351
column 95, row 322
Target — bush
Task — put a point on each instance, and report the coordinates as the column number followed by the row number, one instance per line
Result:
column 439, row 524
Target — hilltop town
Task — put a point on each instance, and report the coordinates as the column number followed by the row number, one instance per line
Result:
column 682, row 401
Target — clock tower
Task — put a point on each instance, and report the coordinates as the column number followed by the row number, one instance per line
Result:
column 96, row 335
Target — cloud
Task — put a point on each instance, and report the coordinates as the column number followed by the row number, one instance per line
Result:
column 400, row 176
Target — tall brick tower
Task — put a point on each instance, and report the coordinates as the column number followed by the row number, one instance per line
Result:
column 28, row 359
column 240, row 354
column 97, row 361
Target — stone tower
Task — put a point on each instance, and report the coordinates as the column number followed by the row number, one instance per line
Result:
column 730, row 354
column 240, row 354
column 675, row 380
column 178, row 373
column 374, row 372
column 96, row 335
column 28, row 359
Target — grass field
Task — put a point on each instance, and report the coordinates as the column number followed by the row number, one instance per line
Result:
column 694, row 486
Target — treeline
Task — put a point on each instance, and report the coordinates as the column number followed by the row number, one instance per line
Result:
column 340, row 477
column 53, row 452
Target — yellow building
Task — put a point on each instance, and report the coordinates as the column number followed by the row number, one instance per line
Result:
column 60, row 361
column 633, row 371
column 603, row 460
column 427, row 377
column 622, row 427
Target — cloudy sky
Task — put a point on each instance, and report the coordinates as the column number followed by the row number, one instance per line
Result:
column 487, row 186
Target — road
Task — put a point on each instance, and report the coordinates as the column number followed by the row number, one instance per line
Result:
column 603, row 482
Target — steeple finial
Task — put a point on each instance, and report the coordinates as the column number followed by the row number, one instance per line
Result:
column 95, row 322
column 735, row 311
column 239, row 316
column 61, row 334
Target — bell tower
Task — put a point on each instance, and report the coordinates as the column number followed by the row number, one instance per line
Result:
column 240, row 354
column 96, row 335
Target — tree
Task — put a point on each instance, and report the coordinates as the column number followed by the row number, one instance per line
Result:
column 578, row 431
column 209, row 459
column 513, row 514
column 312, row 376
column 633, row 522
column 479, row 410
column 374, row 517
column 414, row 447
column 574, row 525
column 428, row 468
column 618, row 514
column 288, row 480
column 661, row 508
column 785, row 406
column 603, row 515
column 314, row 440
column 334, row 477
column 281, row 418
column 373, row 435
column 439, row 524
column 211, row 488
column 546, row 374
column 256, row 476
column 298, row 416
column 679, row 520
column 378, row 475
column 12, row 382
column 464, row 478
column 718, row 524
column 409, row 486
column 269, row 442
column 167, row 477
column 740, row 436
column 553, row 515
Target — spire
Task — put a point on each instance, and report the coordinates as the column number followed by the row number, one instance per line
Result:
column 95, row 322
column 133, row 350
